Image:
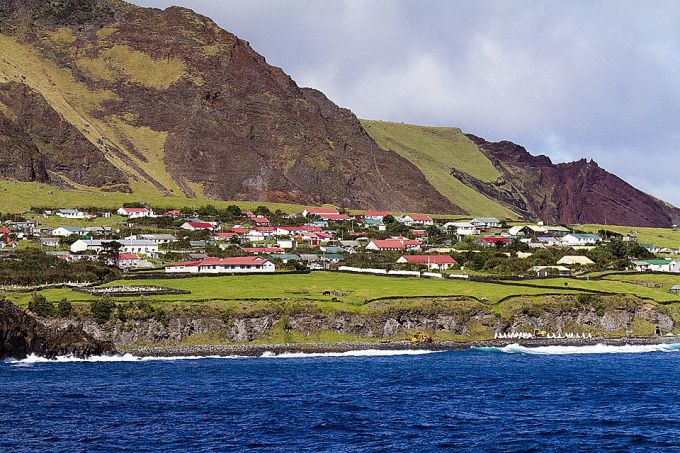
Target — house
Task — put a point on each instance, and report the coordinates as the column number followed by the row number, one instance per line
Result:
column 581, row 239
column 257, row 250
column 132, row 261
column 224, row 236
column 67, row 231
column 494, row 241
column 71, row 214
column 159, row 239
column 486, row 222
column 376, row 215
column 462, row 228
column 416, row 219
column 49, row 242
column 556, row 231
column 98, row 231
column 332, row 258
column 198, row 226
column 246, row 264
column 432, row 262
column 336, row 217
column 399, row 244
column 549, row 271
column 319, row 212
column 675, row 289
column 127, row 246
column 174, row 213
column 260, row 221
column 661, row 265
column 285, row 257
column 135, row 213
column 285, row 243
column 575, row 260
column 374, row 223
column 526, row 230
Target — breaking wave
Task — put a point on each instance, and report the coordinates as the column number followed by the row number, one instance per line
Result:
column 358, row 353
column 590, row 349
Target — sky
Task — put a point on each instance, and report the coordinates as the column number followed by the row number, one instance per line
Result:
column 569, row 79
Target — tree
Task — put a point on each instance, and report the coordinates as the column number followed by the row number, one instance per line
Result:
column 64, row 308
column 101, row 309
column 41, row 306
column 110, row 252
column 263, row 211
column 234, row 211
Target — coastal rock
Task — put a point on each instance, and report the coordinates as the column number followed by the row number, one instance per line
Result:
column 22, row 335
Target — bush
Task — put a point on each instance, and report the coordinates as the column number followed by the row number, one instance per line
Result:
column 64, row 308
column 101, row 309
column 41, row 306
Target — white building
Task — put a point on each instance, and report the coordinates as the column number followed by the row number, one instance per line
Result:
column 246, row 264
column 463, row 228
column 67, row 231
column 581, row 239
column 662, row 265
column 159, row 239
column 487, row 222
column 136, row 246
column 576, row 259
column 135, row 213
column 71, row 214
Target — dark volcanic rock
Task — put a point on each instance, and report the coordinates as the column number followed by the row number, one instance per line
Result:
column 569, row 193
column 22, row 335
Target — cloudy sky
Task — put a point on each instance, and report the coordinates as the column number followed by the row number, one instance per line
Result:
column 595, row 79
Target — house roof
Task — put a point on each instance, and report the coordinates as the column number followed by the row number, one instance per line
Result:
column 319, row 211
column 420, row 218
column 493, row 240
column 335, row 216
column 127, row 257
column 239, row 230
column 429, row 259
column 396, row 244
column 260, row 219
column 376, row 213
column 201, row 225
column 135, row 209
column 262, row 249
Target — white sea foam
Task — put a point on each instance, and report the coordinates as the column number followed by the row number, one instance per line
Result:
column 590, row 349
column 32, row 359
column 357, row 353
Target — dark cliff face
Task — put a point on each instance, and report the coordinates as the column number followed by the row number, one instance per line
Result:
column 232, row 125
column 22, row 335
column 571, row 193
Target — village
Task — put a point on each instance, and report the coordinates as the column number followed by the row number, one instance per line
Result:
column 230, row 241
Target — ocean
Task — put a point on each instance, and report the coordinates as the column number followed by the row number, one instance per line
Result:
column 510, row 399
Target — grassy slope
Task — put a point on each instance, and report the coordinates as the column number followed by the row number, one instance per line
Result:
column 435, row 150
column 20, row 196
column 661, row 237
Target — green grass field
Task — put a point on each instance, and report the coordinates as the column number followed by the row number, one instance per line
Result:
column 355, row 289
column 661, row 237
column 435, row 150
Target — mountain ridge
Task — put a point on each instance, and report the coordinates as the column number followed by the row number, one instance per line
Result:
column 105, row 95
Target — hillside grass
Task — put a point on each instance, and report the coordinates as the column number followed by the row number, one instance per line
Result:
column 18, row 197
column 435, row 151
column 661, row 237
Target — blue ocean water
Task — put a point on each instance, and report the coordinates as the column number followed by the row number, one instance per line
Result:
column 476, row 400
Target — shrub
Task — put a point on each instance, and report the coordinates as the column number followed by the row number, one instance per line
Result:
column 41, row 306
column 64, row 308
column 101, row 309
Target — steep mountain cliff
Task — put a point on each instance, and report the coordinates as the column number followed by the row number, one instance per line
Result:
column 570, row 193
column 104, row 94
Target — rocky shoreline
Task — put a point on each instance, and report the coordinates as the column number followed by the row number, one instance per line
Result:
column 257, row 350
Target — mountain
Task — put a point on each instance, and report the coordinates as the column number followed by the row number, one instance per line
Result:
column 487, row 178
column 104, row 96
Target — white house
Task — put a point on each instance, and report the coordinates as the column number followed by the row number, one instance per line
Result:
column 197, row 226
column 135, row 213
column 581, row 239
column 49, row 242
column 393, row 244
column 548, row 271
column 416, row 219
column 376, row 215
column 137, row 246
column 662, row 265
column 71, row 214
column 432, row 262
column 487, row 222
column 246, row 264
column 462, row 228
column 132, row 261
column 159, row 239
column 67, row 231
